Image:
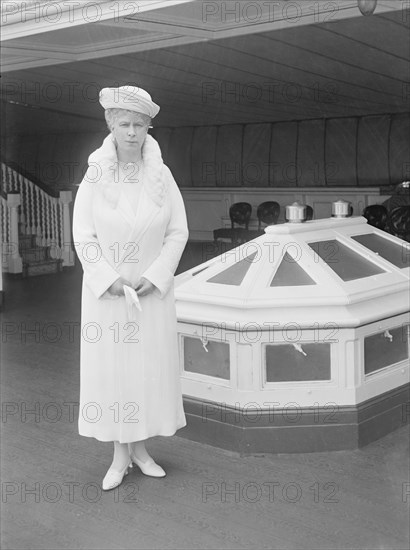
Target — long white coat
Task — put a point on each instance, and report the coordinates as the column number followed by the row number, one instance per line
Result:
column 130, row 381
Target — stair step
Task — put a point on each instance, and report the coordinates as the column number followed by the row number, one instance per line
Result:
column 42, row 267
column 35, row 254
column 26, row 241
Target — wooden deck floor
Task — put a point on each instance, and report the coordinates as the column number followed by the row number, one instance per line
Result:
column 210, row 499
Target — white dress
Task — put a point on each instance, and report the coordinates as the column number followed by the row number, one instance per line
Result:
column 130, row 386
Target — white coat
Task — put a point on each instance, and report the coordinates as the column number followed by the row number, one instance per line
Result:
column 130, row 386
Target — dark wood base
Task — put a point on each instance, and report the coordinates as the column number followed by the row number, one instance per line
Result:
column 296, row 430
column 12, row 276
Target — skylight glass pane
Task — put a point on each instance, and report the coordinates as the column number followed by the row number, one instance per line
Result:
column 294, row 363
column 397, row 254
column 345, row 262
column 385, row 348
column 235, row 274
column 289, row 273
column 212, row 361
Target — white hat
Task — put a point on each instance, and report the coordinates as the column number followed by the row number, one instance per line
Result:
column 130, row 98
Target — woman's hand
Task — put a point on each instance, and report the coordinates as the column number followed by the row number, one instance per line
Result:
column 144, row 287
column 117, row 288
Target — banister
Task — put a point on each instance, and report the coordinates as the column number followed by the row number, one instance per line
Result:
column 34, row 208
column 41, row 185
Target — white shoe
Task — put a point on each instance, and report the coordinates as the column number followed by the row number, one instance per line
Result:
column 113, row 478
column 149, row 468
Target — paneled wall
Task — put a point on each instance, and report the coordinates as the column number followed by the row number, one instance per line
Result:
column 208, row 209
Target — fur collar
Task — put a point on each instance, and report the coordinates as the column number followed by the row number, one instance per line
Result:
column 105, row 161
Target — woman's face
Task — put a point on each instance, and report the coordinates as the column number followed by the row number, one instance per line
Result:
column 129, row 130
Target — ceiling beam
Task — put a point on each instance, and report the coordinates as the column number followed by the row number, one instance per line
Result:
column 27, row 18
column 166, row 28
column 12, row 64
column 189, row 29
column 25, row 51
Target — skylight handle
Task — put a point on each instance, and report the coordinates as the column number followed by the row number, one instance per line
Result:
column 204, row 341
column 387, row 334
column 299, row 348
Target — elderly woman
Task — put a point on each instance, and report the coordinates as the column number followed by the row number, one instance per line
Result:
column 130, row 230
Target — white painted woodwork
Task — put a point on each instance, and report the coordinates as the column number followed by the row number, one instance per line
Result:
column 250, row 315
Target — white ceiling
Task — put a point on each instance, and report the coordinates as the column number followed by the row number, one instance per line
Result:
column 206, row 62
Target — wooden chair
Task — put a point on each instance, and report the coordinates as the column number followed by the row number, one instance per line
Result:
column 240, row 214
column 268, row 214
column 398, row 223
column 309, row 213
column 376, row 215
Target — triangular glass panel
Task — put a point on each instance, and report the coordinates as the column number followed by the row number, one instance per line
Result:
column 289, row 273
column 345, row 262
column 235, row 273
column 393, row 252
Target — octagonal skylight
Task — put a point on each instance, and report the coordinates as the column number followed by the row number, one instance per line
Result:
column 313, row 268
